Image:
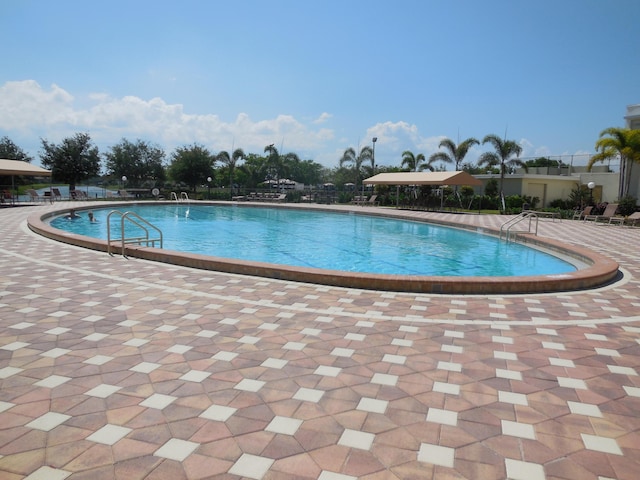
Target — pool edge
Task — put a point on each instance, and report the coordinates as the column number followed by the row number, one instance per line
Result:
column 601, row 270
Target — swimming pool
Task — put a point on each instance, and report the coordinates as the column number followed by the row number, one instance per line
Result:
column 594, row 269
column 329, row 241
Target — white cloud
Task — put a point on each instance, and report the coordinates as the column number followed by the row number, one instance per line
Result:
column 324, row 116
column 28, row 109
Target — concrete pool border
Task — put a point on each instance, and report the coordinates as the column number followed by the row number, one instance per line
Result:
column 599, row 271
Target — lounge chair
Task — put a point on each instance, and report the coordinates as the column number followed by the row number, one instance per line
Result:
column 582, row 214
column 372, row 201
column 56, row 193
column 7, row 197
column 609, row 211
column 631, row 219
column 33, row 195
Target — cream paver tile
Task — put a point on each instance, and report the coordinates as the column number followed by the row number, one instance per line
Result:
column 436, row 455
column 519, row 470
column 109, row 434
column 284, row 425
column 308, row 395
column 48, row 473
column 251, row 466
column 601, row 444
column 48, row 421
column 356, row 439
column 176, row 449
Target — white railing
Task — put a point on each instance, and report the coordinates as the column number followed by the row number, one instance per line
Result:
column 139, row 222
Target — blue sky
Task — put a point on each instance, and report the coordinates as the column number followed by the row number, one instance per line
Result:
column 316, row 77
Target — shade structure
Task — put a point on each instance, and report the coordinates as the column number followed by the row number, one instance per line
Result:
column 17, row 167
column 423, row 178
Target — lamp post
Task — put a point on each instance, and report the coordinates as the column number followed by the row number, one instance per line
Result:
column 208, row 188
column 124, row 181
column 373, row 156
column 591, row 186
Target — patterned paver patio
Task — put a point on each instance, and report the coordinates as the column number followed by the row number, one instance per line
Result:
column 128, row 369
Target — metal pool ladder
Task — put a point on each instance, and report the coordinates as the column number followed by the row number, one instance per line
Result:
column 138, row 221
column 184, row 197
column 507, row 227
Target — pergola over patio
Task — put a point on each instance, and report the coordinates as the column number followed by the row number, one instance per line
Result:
column 423, row 178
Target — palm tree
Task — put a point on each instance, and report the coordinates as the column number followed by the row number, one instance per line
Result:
column 278, row 165
column 350, row 156
column 505, row 150
column 416, row 163
column 623, row 142
column 230, row 161
column 455, row 153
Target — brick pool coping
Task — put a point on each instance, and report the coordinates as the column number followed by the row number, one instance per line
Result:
column 599, row 270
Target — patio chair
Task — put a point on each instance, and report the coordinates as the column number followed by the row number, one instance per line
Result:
column 372, row 201
column 33, row 195
column 609, row 211
column 633, row 218
column 582, row 214
column 56, row 193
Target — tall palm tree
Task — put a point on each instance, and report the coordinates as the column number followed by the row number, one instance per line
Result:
column 623, row 142
column 278, row 164
column 503, row 157
column 416, row 163
column 230, row 161
column 350, row 156
column 454, row 153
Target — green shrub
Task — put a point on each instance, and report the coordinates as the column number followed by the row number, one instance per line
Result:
column 626, row 205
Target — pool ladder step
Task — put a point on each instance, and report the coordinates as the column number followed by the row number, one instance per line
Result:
column 138, row 221
column 532, row 227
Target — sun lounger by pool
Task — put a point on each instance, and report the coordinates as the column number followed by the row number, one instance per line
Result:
column 631, row 219
column 583, row 213
column 609, row 211
column 33, row 195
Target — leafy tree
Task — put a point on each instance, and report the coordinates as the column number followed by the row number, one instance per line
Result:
column 74, row 160
column 502, row 157
column 191, row 165
column 306, row 171
column 491, row 189
column 579, row 195
column 351, row 157
column 416, row 163
column 11, row 151
column 139, row 161
column 230, row 162
column 252, row 171
column 454, row 153
column 623, row 142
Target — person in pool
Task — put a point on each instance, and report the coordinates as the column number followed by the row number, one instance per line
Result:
column 92, row 219
column 72, row 215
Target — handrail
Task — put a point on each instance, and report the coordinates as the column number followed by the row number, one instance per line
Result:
column 184, row 197
column 140, row 223
column 507, row 226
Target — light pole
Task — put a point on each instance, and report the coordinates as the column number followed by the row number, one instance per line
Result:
column 208, row 188
column 124, row 181
column 373, row 156
column 591, row 186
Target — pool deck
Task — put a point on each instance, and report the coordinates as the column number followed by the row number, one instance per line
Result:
column 114, row 368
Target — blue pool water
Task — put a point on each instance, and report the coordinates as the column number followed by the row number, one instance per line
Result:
column 327, row 240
